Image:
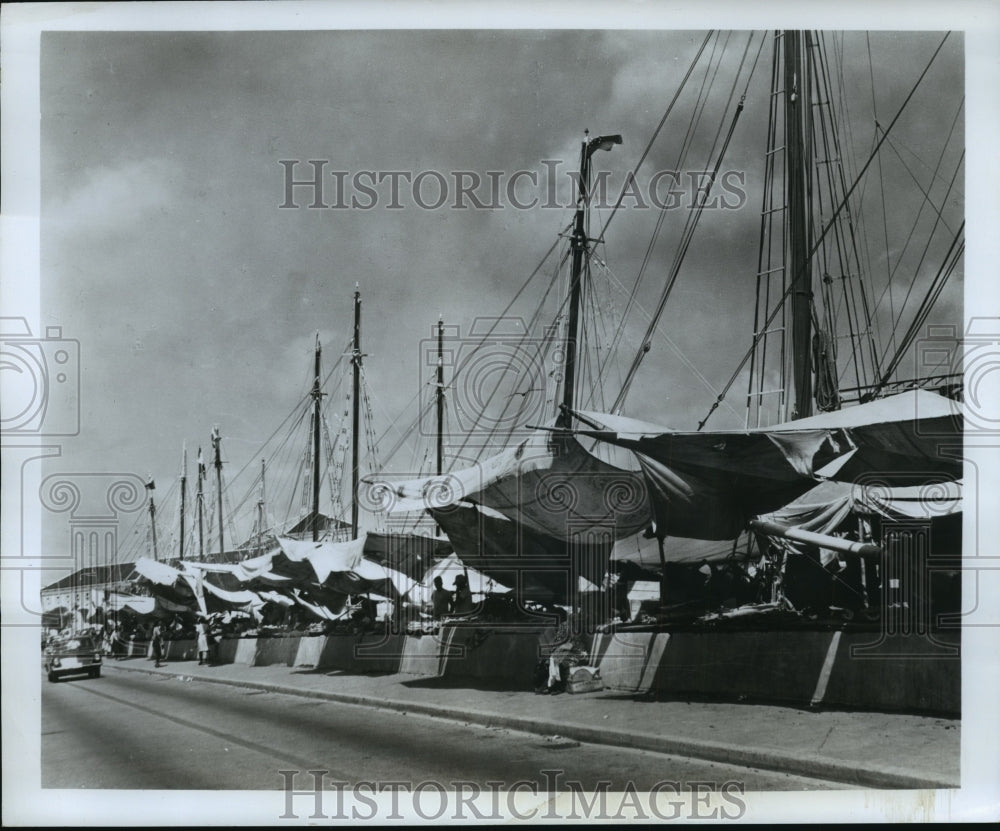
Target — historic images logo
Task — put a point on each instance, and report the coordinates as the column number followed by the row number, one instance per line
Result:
column 309, row 184
column 495, row 800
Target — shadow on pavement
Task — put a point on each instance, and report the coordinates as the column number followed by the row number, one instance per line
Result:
column 338, row 672
column 451, row 683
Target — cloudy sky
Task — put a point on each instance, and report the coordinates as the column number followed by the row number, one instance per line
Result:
column 196, row 298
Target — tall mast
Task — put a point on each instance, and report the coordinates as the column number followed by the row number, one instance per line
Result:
column 260, row 508
column 796, row 162
column 579, row 250
column 201, row 507
column 439, row 469
column 440, row 397
column 184, row 465
column 217, row 443
column 151, row 487
column 317, row 397
column 356, row 415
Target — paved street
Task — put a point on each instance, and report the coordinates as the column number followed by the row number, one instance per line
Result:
column 132, row 730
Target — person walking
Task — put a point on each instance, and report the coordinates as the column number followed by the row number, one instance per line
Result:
column 202, row 627
column 157, row 642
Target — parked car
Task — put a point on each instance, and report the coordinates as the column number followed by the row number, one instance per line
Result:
column 72, row 655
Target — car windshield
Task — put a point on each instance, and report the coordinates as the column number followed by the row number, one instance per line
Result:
column 78, row 643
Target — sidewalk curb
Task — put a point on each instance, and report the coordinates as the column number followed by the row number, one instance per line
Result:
column 803, row 764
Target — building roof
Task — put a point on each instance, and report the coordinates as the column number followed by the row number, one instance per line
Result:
column 93, row 576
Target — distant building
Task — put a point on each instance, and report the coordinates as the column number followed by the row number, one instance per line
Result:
column 87, row 588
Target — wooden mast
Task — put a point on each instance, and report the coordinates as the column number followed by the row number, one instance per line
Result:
column 317, row 397
column 184, row 464
column 217, row 444
column 579, row 247
column 798, row 265
column 201, row 507
column 439, row 395
column 260, row 509
column 440, row 398
column 356, row 412
column 151, row 487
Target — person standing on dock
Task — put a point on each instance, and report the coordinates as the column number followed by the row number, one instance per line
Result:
column 202, row 628
column 157, row 642
column 463, row 596
column 441, row 600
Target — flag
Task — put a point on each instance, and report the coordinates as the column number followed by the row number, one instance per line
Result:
column 201, row 464
column 603, row 143
column 151, row 485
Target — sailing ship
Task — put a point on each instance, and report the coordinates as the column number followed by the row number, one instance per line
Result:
column 314, row 562
column 835, row 450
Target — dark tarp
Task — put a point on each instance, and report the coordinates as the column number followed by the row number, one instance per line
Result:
column 707, row 485
column 177, row 588
column 536, row 566
column 411, row 554
column 536, row 517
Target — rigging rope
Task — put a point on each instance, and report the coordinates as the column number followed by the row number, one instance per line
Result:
column 656, row 132
column 473, row 354
column 955, row 252
column 679, row 165
column 923, row 254
column 808, row 259
column 927, row 200
column 885, row 219
column 679, row 259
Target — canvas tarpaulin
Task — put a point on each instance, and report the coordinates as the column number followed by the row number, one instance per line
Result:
column 829, row 506
column 343, row 568
column 277, row 598
column 324, row 557
column 371, row 578
column 708, row 485
column 835, row 507
column 222, row 599
column 259, row 571
column 158, row 573
column 141, row 606
column 448, row 569
column 180, row 589
column 325, row 608
column 644, row 551
column 535, row 517
column 411, row 554
column 536, row 566
column 547, row 483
